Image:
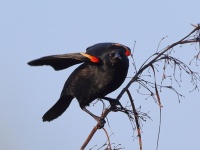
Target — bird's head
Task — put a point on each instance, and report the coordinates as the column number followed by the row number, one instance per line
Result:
column 110, row 54
column 117, row 54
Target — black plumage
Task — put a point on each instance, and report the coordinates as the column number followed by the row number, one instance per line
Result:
column 104, row 68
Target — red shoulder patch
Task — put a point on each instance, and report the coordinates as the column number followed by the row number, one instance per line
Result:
column 92, row 58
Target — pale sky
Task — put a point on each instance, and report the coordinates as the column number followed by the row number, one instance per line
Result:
column 36, row 28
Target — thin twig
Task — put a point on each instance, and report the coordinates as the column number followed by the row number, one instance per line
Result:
column 109, row 145
column 136, row 118
column 159, row 128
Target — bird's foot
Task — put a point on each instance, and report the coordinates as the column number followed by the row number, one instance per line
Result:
column 101, row 122
column 114, row 103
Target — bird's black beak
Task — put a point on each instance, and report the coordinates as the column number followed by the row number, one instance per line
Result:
column 117, row 56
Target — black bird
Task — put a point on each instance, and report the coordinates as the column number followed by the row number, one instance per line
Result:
column 104, row 69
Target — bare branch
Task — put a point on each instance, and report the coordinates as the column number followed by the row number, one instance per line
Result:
column 136, row 118
column 151, row 62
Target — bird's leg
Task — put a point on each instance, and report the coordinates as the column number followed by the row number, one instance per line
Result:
column 100, row 120
column 113, row 102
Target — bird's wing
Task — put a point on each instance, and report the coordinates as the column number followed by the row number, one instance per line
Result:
column 60, row 62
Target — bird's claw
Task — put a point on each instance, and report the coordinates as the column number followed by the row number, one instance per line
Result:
column 101, row 122
column 114, row 104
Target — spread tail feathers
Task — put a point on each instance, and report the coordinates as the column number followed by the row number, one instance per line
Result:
column 58, row 108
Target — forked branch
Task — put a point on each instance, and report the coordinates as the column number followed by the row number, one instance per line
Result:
column 192, row 37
